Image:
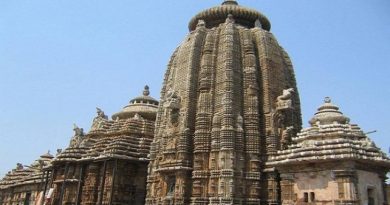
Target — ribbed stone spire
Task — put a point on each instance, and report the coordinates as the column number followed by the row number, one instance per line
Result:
column 228, row 97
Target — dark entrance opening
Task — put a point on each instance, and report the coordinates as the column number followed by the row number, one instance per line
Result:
column 371, row 196
column 27, row 199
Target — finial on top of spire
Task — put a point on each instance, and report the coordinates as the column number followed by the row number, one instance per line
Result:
column 146, row 91
column 230, row 2
column 327, row 100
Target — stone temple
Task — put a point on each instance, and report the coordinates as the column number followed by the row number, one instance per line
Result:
column 227, row 130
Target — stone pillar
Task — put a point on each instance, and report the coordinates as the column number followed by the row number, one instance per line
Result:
column 287, row 189
column 90, row 187
column 273, row 190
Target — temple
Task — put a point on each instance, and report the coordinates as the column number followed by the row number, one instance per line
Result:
column 331, row 162
column 227, row 130
column 107, row 165
column 25, row 183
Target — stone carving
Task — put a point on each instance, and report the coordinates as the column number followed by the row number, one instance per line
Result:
column 287, row 135
column 172, row 105
column 41, row 164
column 284, row 101
column 229, row 19
column 85, row 142
column 258, row 23
column 19, row 166
column 201, row 24
column 100, row 113
column 287, row 94
column 138, row 117
column 77, row 137
column 368, row 143
column 172, row 100
column 204, row 83
column 171, row 145
column 282, row 124
column 99, row 120
column 58, row 151
column 240, row 122
column 252, row 90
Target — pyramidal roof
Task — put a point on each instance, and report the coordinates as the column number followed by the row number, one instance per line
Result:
column 331, row 137
column 26, row 174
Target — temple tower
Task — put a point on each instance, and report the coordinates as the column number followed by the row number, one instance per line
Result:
column 229, row 102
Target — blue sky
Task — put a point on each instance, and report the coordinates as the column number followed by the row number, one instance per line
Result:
column 61, row 59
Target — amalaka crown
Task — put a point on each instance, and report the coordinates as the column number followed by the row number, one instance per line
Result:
column 144, row 105
column 328, row 113
column 244, row 16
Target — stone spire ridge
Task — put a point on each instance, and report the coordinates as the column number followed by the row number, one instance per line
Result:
column 229, row 2
column 146, row 91
column 328, row 113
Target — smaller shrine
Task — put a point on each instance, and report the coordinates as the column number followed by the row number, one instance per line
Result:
column 24, row 184
column 332, row 162
column 108, row 164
